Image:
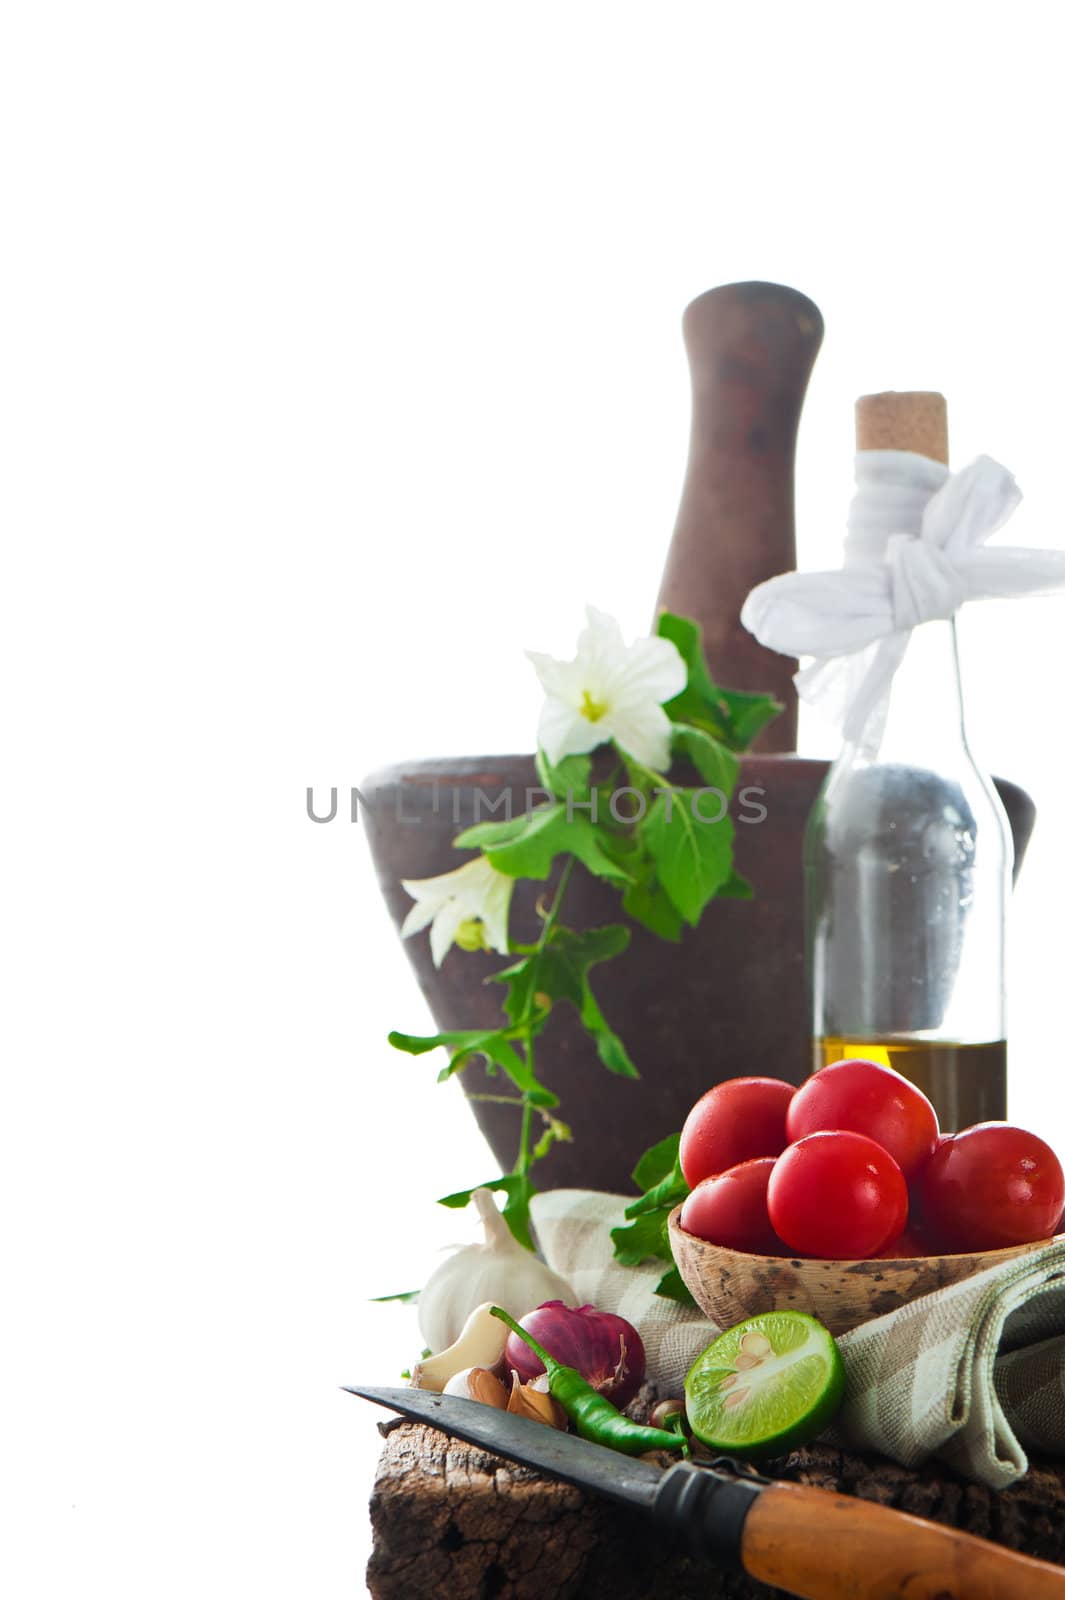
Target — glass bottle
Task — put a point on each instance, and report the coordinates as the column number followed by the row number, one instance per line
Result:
column 908, row 860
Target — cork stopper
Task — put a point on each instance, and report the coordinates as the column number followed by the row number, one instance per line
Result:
column 912, row 419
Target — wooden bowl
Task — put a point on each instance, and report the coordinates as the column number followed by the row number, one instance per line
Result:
column 730, row 1285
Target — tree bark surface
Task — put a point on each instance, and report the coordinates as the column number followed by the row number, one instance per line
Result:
column 458, row 1522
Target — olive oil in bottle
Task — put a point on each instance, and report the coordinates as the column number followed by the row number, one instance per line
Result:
column 965, row 1082
column 908, row 856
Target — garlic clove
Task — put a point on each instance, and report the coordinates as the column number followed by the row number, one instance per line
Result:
column 535, row 1401
column 500, row 1271
column 476, row 1383
column 480, row 1344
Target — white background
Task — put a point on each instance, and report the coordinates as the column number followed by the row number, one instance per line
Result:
column 340, row 361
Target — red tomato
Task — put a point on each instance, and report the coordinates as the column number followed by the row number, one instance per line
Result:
column 734, row 1121
column 990, row 1186
column 730, row 1209
column 908, row 1244
column 838, row 1195
column 866, row 1098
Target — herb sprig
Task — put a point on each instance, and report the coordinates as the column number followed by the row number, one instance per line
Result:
column 667, row 850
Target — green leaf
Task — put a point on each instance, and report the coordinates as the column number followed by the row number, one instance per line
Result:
column 688, row 638
column 734, row 716
column 554, row 1132
column 671, row 1286
column 657, row 1162
column 609, row 1045
column 580, row 952
column 714, row 761
column 647, row 902
column 570, row 776
column 542, row 972
column 658, row 1173
column 668, row 1192
column 669, row 1189
column 493, row 1044
column 518, row 1190
column 646, row 1237
column 548, row 831
column 409, row 1297
column 693, row 857
column 497, row 833
column 748, row 714
column 736, row 887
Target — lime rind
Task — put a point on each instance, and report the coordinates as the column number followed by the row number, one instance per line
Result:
column 765, row 1386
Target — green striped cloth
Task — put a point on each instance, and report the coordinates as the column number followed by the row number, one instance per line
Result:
column 973, row 1374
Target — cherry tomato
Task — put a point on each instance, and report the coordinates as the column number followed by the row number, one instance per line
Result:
column 908, row 1244
column 990, row 1186
column 838, row 1195
column 730, row 1209
column 734, row 1121
column 864, row 1097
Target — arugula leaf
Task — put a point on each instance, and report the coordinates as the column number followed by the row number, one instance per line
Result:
column 657, row 1162
column 668, row 1192
column 658, row 1174
column 518, row 1189
column 494, row 1045
column 643, row 1238
column 671, row 1286
column 693, row 857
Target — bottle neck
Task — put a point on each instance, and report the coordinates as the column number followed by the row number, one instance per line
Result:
column 925, row 723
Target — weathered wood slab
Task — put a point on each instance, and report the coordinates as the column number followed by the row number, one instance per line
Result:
column 461, row 1523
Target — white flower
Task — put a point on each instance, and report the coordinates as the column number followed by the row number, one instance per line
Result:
column 610, row 691
column 468, row 906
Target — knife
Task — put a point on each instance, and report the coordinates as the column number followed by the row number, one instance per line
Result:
column 809, row 1542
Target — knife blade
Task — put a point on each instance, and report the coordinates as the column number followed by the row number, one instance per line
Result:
column 812, row 1543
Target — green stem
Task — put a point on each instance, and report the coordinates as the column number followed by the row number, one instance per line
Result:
column 524, row 1161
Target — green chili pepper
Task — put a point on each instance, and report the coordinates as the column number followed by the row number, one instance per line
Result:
column 596, row 1418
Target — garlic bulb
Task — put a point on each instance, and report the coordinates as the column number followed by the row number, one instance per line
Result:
column 500, row 1271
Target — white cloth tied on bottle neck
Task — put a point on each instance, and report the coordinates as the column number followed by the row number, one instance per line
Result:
column 914, row 553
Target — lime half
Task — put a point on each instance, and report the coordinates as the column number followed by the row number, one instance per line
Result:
column 767, row 1385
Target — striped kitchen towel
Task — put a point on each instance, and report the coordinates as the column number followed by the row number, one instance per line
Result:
column 973, row 1373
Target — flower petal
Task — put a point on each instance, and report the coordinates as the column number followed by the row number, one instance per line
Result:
column 445, row 883
column 564, row 732
column 601, row 648
column 418, row 917
column 494, row 909
column 653, row 669
column 444, row 928
column 644, row 731
column 565, row 680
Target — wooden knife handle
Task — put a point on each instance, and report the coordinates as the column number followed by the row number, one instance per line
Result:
column 826, row 1546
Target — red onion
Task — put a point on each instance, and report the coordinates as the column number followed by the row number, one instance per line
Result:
column 605, row 1349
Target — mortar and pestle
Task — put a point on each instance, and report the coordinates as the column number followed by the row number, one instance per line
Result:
column 731, row 998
